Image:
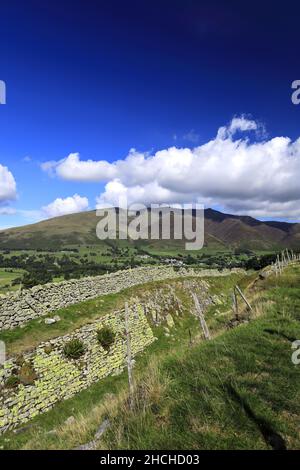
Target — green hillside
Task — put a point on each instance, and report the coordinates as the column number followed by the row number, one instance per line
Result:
column 221, row 231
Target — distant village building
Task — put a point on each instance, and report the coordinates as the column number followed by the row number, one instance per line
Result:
column 173, row 262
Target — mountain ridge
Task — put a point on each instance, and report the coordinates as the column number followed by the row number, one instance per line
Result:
column 221, row 230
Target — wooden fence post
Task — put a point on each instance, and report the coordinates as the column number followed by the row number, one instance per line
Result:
column 283, row 260
column 243, row 297
column 201, row 317
column 235, row 305
column 278, row 265
column 276, row 268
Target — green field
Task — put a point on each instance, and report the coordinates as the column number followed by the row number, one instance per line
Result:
column 6, row 278
column 75, row 261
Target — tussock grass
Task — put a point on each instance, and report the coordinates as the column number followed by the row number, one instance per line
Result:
column 150, row 397
column 83, row 429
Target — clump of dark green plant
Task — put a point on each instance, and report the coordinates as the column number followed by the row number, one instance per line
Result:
column 74, row 349
column 12, row 381
column 106, row 337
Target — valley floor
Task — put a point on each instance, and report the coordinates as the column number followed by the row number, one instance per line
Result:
column 240, row 390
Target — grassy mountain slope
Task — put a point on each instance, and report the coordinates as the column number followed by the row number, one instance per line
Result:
column 221, row 231
column 238, row 391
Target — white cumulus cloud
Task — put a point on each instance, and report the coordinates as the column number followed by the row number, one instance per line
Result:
column 74, row 169
column 257, row 177
column 69, row 205
column 8, row 187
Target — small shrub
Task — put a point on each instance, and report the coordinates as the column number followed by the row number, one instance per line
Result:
column 74, row 349
column 20, row 360
column 27, row 374
column 48, row 349
column 12, row 381
column 106, row 337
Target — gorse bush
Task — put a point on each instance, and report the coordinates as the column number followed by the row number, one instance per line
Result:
column 74, row 349
column 106, row 337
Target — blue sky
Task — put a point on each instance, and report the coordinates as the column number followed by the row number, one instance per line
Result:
column 99, row 78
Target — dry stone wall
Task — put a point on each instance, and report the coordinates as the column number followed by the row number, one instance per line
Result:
column 57, row 377
column 18, row 308
column 60, row 378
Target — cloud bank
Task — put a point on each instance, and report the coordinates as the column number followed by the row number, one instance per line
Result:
column 257, row 177
column 69, row 205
